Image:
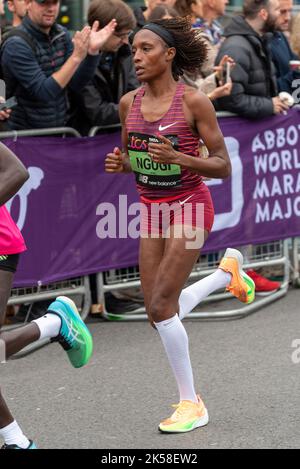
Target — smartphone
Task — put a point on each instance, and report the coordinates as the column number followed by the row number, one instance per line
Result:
column 226, row 73
column 9, row 104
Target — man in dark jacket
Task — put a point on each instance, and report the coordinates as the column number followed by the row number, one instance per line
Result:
column 281, row 50
column 254, row 92
column 42, row 60
column 97, row 104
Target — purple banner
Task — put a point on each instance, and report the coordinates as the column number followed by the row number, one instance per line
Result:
column 61, row 208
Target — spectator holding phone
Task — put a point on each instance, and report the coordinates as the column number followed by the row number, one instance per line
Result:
column 212, row 80
column 38, row 66
column 206, row 18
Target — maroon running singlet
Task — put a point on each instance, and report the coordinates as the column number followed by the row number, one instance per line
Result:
column 166, row 183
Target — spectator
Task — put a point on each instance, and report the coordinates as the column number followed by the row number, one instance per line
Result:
column 295, row 35
column 38, row 69
column 4, row 115
column 210, row 79
column 142, row 13
column 189, row 8
column 98, row 103
column 18, row 8
column 2, row 11
column 254, row 93
column 162, row 12
column 211, row 29
column 281, row 50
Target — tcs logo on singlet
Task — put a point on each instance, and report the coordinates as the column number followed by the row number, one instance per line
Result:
column 231, row 218
column 36, row 175
column 139, row 144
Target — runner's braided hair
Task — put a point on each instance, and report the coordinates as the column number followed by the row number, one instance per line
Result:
column 191, row 50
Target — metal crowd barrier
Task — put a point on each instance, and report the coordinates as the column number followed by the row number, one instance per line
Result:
column 102, row 128
column 296, row 261
column 63, row 131
column 265, row 255
column 75, row 288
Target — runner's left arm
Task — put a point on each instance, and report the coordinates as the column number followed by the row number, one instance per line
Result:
column 13, row 174
column 124, row 106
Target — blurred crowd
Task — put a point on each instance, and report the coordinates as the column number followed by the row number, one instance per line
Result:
column 57, row 79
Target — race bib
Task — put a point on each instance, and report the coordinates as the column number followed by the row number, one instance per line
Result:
column 147, row 172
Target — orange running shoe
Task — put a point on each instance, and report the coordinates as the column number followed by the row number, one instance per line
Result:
column 187, row 416
column 241, row 285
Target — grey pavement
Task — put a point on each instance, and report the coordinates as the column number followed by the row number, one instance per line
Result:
column 243, row 369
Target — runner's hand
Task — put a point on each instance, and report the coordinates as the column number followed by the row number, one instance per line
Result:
column 114, row 162
column 163, row 152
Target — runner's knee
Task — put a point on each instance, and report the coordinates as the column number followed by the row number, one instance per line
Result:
column 161, row 308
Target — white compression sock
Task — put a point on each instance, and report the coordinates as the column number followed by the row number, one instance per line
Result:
column 195, row 293
column 49, row 325
column 176, row 343
column 13, row 435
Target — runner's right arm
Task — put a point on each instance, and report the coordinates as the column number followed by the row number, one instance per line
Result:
column 118, row 161
column 13, row 174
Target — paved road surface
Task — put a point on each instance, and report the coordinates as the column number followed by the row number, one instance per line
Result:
column 243, row 369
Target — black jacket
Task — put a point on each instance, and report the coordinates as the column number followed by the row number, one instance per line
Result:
column 281, row 55
column 97, row 103
column 254, row 78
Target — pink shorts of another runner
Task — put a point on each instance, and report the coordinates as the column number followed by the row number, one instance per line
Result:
column 194, row 209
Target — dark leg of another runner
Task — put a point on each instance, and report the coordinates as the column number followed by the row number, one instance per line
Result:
column 12, row 341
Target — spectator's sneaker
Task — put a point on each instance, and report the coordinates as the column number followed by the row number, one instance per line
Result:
column 74, row 336
column 187, row 416
column 31, row 446
column 263, row 286
column 241, row 285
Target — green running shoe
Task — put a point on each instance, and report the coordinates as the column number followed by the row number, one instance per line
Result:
column 31, row 446
column 187, row 416
column 241, row 285
column 74, row 336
